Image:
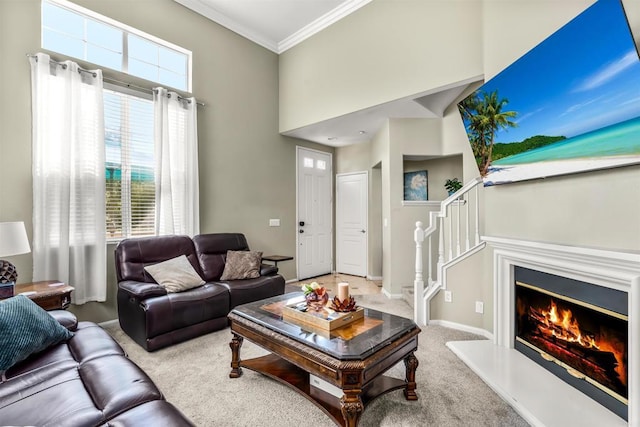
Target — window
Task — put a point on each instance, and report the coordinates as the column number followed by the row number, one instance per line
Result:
column 80, row 33
column 130, row 164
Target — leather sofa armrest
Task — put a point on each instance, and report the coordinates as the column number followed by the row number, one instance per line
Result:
column 142, row 290
column 268, row 270
column 65, row 318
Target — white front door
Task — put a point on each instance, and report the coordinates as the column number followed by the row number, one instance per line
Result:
column 314, row 220
column 351, row 223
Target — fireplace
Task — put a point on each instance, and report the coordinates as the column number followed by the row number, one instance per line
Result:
column 576, row 330
column 532, row 385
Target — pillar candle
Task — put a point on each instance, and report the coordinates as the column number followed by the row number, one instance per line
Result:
column 343, row 291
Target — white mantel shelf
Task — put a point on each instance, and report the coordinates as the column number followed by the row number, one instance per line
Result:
column 537, row 395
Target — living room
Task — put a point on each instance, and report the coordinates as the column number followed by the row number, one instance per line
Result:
column 382, row 52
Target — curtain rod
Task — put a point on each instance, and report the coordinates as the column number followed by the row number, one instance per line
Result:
column 114, row 81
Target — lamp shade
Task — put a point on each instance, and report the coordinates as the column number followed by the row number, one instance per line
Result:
column 13, row 239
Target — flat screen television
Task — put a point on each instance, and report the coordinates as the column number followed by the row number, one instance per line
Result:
column 569, row 105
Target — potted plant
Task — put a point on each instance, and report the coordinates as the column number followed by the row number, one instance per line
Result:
column 452, row 185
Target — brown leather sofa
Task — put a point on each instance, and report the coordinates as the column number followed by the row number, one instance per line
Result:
column 154, row 318
column 85, row 381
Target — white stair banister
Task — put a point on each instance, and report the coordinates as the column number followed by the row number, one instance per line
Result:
column 418, row 284
column 438, row 220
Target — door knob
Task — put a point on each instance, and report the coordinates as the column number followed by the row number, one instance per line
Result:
column 301, row 223
column 362, row 231
column 301, row 231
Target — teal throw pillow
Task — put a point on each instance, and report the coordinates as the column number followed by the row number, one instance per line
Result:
column 25, row 328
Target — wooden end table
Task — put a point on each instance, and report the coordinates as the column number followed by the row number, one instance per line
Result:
column 49, row 294
column 352, row 358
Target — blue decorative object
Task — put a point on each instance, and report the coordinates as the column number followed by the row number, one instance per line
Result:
column 25, row 328
column 415, row 186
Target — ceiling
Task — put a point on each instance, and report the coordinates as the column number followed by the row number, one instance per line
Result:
column 281, row 24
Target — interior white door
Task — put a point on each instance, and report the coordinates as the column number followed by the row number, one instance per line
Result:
column 351, row 223
column 314, row 219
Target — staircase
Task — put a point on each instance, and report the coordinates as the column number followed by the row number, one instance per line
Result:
column 455, row 231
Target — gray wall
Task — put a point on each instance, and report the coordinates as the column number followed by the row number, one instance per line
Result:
column 599, row 209
column 247, row 170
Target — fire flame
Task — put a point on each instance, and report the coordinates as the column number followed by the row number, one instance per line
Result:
column 562, row 325
column 567, row 328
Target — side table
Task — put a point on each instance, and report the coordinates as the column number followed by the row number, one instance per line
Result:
column 276, row 258
column 49, row 294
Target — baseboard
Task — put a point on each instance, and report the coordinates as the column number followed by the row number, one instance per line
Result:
column 374, row 277
column 461, row 327
column 291, row 281
column 390, row 295
column 109, row 323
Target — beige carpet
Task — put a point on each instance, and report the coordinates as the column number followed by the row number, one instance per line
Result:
column 194, row 377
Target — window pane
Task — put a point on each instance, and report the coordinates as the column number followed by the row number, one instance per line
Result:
column 130, row 166
column 173, row 61
column 104, row 57
column 172, row 79
column 321, row 164
column 57, row 42
column 142, row 69
column 308, row 162
column 104, row 35
column 62, row 20
column 143, row 50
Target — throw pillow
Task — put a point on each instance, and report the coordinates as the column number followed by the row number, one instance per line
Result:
column 242, row 265
column 25, row 328
column 175, row 275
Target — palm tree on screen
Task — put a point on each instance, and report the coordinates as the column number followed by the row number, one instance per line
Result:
column 483, row 116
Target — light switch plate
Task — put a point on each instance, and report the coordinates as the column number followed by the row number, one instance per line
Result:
column 274, row 223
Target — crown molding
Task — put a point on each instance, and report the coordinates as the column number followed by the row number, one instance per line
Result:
column 304, row 33
column 225, row 21
column 321, row 23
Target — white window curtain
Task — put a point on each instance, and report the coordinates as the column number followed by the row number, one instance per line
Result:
column 176, row 151
column 68, row 151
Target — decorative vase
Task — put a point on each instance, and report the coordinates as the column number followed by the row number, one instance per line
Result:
column 316, row 302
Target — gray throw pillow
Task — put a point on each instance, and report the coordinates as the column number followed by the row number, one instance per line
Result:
column 25, row 328
column 175, row 275
column 242, row 265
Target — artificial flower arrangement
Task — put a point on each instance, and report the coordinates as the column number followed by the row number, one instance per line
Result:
column 316, row 295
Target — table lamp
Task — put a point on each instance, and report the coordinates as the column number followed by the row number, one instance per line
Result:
column 13, row 241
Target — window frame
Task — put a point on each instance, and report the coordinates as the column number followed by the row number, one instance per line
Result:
column 126, row 30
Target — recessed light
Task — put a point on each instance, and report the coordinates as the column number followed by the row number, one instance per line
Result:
column 362, row 132
column 332, row 138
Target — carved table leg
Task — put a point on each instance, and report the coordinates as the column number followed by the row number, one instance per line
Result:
column 411, row 364
column 235, row 344
column 352, row 407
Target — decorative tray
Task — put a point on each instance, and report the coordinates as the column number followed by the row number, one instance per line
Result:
column 325, row 319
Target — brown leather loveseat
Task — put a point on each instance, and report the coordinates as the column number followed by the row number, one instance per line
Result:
column 154, row 318
column 84, row 381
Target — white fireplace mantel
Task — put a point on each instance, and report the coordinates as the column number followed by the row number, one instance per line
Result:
column 497, row 362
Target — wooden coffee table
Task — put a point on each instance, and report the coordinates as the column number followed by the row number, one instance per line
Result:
column 351, row 359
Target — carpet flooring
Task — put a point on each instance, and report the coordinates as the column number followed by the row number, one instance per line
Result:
column 194, row 377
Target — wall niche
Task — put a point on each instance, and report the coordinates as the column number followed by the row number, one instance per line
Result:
column 439, row 169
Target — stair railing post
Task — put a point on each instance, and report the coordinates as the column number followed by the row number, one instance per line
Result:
column 418, row 284
column 466, row 232
column 477, row 217
column 458, row 229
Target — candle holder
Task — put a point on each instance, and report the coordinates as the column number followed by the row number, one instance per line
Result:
column 344, row 305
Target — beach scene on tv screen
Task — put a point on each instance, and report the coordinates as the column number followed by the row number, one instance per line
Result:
column 569, row 105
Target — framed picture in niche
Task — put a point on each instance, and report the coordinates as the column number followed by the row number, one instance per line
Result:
column 415, row 186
